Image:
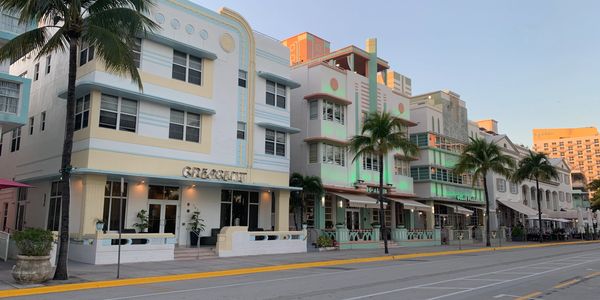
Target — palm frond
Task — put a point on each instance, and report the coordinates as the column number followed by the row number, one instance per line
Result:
column 24, row 43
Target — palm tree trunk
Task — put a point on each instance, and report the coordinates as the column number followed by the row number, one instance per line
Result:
column 539, row 204
column 61, row 272
column 301, row 211
column 487, row 212
column 381, row 214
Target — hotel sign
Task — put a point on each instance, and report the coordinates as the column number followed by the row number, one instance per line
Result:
column 214, row 174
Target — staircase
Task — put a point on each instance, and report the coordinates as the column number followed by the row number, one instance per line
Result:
column 185, row 253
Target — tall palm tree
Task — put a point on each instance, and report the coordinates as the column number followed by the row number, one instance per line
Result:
column 381, row 134
column 311, row 185
column 110, row 26
column 536, row 166
column 482, row 157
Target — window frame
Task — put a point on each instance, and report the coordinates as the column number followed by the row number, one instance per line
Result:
column 333, row 155
column 370, row 162
column 54, row 206
column 15, row 143
column 241, row 133
column 188, row 68
column 242, row 78
column 119, row 113
column 185, row 126
column 275, row 142
column 276, row 93
column 43, row 121
column 36, row 72
column 337, row 115
column 48, row 63
column 110, row 198
column 313, row 110
column 31, row 124
column 136, row 49
column 313, row 153
column 88, row 51
column 84, row 113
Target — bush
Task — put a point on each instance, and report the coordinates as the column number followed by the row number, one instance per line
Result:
column 324, row 241
column 34, row 241
column 517, row 232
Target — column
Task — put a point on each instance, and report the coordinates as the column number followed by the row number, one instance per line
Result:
column 430, row 216
column 92, row 202
column 282, row 210
column 320, row 213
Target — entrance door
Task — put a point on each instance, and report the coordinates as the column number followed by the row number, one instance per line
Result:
column 352, row 218
column 162, row 217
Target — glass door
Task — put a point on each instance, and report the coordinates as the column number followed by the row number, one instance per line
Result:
column 162, row 217
column 170, row 219
column 154, row 212
column 352, row 219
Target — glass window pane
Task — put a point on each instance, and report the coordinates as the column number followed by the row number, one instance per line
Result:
column 194, row 77
column 270, row 87
column 172, row 192
column 193, row 120
column 127, row 123
column 156, row 192
column 195, row 63
column 280, row 137
column 270, row 135
column 280, row 150
column 109, row 103
column 192, row 134
column 175, row 131
column 281, row 90
column 79, row 105
column 281, row 101
column 178, row 72
column 270, row 99
column 269, row 148
column 108, row 119
column 129, row 106
column 179, row 58
column 225, row 214
column 177, row 116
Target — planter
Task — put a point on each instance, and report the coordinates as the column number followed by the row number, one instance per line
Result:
column 340, row 226
column 99, row 226
column 322, row 249
column 193, row 239
column 32, row 269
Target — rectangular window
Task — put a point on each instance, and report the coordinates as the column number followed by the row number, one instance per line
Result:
column 514, row 188
column 48, row 62
column 43, row 121
column 112, row 201
column 137, row 52
column 275, row 142
column 370, row 162
column 159, row 192
column 16, row 140
column 86, row 54
column 276, row 94
column 313, row 108
column 333, row 112
column 82, row 112
column 187, row 67
column 334, row 155
column 313, row 155
column 36, row 72
column 501, row 185
column 118, row 113
column 21, row 205
column 184, row 126
column 54, row 206
column 1, row 135
column 401, row 166
column 31, row 120
column 242, row 78
column 9, row 97
column 241, row 131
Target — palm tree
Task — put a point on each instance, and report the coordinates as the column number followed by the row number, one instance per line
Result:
column 482, row 157
column 311, row 185
column 110, row 26
column 381, row 134
column 536, row 166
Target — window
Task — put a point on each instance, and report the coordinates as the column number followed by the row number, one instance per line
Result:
column 275, row 142
column 333, row 112
column 31, row 120
column 21, row 205
column 239, row 208
column 313, row 153
column 187, row 67
column 501, row 185
column 82, row 112
column 118, row 113
column 36, row 72
column 514, row 188
column 43, row 121
column 159, row 192
column 242, row 78
column 9, row 97
column 48, row 62
column 184, row 126
column 370, row 162
column 16, row 140
column 112, row 202
column 334, row 155
column 4, row 216
column 276, row 94
column 313, row 108
column 54, row 206
column 86, row 54
column 241, row 131
column 401, row 166
column 137, row 52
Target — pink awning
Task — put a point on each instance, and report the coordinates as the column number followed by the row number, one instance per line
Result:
column 5, row 183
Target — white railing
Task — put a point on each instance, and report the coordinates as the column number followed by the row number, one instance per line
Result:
column 4, row 242
column 238, row 241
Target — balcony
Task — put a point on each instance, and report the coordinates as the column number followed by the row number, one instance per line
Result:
column 14, row 101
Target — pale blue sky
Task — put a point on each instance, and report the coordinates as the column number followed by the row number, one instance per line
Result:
column 524, row 63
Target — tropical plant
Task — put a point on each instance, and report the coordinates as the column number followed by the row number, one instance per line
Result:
column 324, row 242
column 381, row 134
column 196, row 224
column 143, row 222
column 109, row 26
column 536, row 166
column 594, row 185
column 311, row 185
column 34, row 241
column 481, row 157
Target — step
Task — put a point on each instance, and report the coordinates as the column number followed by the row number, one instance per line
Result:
column 184, row 253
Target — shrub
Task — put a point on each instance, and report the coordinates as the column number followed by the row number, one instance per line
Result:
column 517, row 232
column 34, row 241
column 324, row 241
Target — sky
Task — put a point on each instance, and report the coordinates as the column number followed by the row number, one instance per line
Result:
column 527, row 64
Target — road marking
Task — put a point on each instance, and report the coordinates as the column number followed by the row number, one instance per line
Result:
column 529, row 296
column 252, row 270
column 505, row 295
column 567, row 283
column 440, row 288
column 482, row 279
column 591, row 275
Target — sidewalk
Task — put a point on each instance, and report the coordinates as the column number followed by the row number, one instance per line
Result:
column 79, row 272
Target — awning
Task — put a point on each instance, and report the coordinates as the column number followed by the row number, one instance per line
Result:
column 459, row 209
column 279, row 79
column 411, row 204
column 358, row 200
column 569, row 214
column 273, row 126
column 5, row 184
column 519, row 207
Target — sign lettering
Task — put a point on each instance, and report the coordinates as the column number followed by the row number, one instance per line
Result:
column 213, row 174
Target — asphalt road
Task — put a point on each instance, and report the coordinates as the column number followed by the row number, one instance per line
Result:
column 560, row 272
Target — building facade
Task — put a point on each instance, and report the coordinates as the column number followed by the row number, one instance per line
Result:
column 338, row 90
column 442, row 132
column 210, row 133
column 580, row 147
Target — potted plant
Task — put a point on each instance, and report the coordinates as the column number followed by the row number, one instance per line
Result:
column 375, row 225
column 340, row 225
column 33, row 261
column 142, row 224
column 196, row 226
column 99, row 225
column 325, row 243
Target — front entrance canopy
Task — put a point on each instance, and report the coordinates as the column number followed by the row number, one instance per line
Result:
column 459, row 209
column 517, row 206
column 411, row 204
column 5, row 184
column 358, row 200
column 568, row 214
